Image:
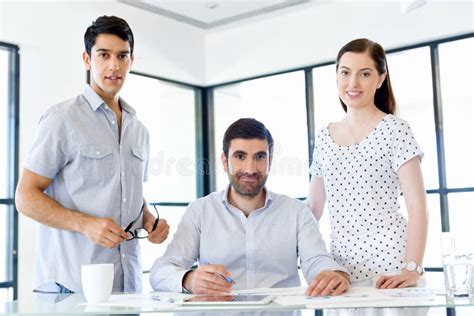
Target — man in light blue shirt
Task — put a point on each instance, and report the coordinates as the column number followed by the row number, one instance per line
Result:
column 246, row 236
column 83, row 176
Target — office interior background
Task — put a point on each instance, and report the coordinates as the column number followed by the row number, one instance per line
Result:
column 191, row 80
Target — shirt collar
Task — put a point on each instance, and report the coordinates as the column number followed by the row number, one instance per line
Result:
column 95, row 101
column 268, row 197
column 126, row 107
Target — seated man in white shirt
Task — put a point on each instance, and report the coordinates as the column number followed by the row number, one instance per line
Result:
column 246, row 236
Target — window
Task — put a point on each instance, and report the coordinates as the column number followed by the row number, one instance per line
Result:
column 461, row 217
column 327, row 108
column 457, row 79
column 9, row 72
column 3, row 245
column 168, row 112
column 279, row 103
column 4, row 66
column 410, row 74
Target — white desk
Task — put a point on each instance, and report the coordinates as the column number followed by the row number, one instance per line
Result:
column 50, row 304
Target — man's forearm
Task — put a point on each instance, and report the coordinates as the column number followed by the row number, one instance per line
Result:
column 43, row 209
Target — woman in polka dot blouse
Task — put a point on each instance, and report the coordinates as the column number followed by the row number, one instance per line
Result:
column 360, row 166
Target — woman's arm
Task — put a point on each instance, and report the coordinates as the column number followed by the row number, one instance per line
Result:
column 411, row 181
column 317, row 196
column 413, row 190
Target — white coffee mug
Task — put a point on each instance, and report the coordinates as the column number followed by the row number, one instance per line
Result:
column 97, row 281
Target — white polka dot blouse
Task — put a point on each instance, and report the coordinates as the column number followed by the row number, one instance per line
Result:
column 368, row 233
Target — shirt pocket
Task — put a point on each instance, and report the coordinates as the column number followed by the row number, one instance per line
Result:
column 97, row 161
column 138, row 161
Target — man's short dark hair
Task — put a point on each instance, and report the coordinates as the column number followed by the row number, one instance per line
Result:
column 108, row 25
column 247, row 128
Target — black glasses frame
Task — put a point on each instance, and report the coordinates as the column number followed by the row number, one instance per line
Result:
column 136, row 232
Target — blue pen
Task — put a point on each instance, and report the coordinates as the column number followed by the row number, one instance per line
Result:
column 228, row 279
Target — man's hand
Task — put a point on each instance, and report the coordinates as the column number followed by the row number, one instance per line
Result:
column 207, row 279
column 161, row 231
column 404, row 279
column 329, row 283
column 103, row 231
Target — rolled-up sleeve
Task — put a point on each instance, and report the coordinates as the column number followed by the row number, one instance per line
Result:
column 168, row 271
column 311, row 247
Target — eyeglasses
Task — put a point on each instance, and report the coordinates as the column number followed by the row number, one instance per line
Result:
column 141, row 232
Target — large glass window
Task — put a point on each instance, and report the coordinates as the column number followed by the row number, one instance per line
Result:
column 279, row 103
column 457, row 79
column 327, row 108
column 3, row 245
column 461, row 217
column 410, row 74
column 168, row 111
column 4, row 66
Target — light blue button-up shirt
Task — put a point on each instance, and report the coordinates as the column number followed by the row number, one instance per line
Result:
column 261, row 250
column 77, row 146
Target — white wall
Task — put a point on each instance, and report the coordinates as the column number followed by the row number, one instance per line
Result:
column 50, row 37
column 313, row 33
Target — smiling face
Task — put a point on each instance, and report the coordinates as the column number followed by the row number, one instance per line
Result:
column 358, row 80
column 247, row 165
column 109, row 63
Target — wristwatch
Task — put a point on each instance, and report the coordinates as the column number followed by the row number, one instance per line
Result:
column 413, row 266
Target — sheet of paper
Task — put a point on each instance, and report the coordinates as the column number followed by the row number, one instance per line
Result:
column 272, row 291
column 362, row 295
column 366, row 297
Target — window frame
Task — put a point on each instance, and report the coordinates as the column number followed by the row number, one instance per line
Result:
column 12, row 128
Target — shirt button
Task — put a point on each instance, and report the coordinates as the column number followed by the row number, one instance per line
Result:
column 124, row 200
column 113, row 122
column 123, row 255
column 123, row 174
column 97, row 153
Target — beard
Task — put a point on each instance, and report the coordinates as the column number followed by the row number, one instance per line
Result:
column 247, row 189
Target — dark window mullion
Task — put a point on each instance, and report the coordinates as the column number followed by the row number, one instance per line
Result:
column 309, row 91
column 14, row 163
column 439, row 129
column 206, row 165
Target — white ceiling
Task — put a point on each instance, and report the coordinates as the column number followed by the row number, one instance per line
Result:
column 207, row 14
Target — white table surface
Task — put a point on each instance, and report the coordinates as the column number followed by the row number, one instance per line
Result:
column 74, row 304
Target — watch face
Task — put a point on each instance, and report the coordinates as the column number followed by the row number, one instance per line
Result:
column 411, row 266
